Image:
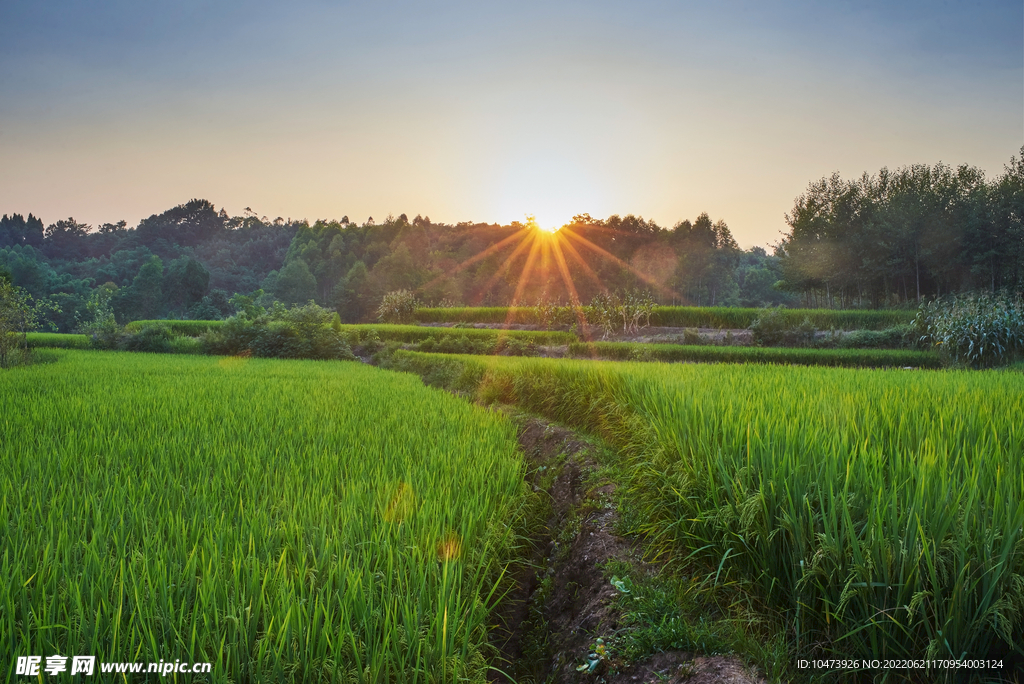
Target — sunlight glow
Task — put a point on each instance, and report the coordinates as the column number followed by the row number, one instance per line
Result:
column 546, row 251
column 546, row 226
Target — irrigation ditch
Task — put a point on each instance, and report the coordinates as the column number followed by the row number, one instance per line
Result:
column 580, row 605
column 566, row 611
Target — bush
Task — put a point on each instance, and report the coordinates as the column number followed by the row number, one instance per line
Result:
column 979, row 330
column 772, row 328
column 301, row 332
column 155, row 338
column 102, row 328
column 896, row 337
column 186, row 345
column 692, row 337
column 513, row 346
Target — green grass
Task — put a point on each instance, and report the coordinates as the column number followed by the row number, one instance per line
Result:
column 852, row 358
column 880, row 511
column 59, row 340
column 284, row 520
column 687, row 317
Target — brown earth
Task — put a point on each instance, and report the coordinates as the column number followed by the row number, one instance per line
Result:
column 561, row 602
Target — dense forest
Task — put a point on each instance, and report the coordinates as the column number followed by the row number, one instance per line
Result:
column 900, row 236
column 884, row 240
column 189, row 260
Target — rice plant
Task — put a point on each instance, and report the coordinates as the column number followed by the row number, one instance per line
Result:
column 851, row 358
column 882, row 511
column 283, row 520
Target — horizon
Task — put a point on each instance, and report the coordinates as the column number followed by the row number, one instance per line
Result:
column 483, row 114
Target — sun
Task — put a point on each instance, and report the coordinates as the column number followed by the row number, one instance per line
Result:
column 531, row 222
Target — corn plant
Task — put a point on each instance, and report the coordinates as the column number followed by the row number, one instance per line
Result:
column 974, row 329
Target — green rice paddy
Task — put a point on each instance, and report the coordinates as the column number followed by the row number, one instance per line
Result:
column 283, row 520
column 880, row 511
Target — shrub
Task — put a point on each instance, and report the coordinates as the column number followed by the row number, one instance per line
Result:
column 769, row 328
column 186, row 345
column 102, row 328
column 513, row 346
column 301, row 332
column 154, row 338
column 803, row 334
column 691, row 336
column 978, row 330
column 772, row 328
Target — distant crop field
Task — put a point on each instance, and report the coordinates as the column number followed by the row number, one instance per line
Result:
column 882, row 511
column 283, row 520
column 685, row 317
column 385, row 331
column 59, row 340
column 850, row 358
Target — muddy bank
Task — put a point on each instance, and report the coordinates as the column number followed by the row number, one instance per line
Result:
column 561, row 602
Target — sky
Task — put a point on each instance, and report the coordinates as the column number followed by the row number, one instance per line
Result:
column 488, row 112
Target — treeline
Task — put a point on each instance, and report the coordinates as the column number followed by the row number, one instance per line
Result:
column 183, row 263
column 901, row 236
column 189, row 260
column 879, row 241
column 351, row 268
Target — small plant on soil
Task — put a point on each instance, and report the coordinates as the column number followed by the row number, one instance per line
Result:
column 597, row 655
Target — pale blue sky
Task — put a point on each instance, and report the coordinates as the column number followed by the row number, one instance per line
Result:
column 489, row 111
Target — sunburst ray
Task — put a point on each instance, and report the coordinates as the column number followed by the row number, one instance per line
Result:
column 528, row 240
column 638, row 273
column 521, row 234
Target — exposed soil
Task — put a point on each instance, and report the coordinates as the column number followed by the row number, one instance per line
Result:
column 561, row 602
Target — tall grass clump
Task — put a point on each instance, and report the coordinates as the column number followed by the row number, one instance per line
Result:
column 287, row 521
column 882, row 512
